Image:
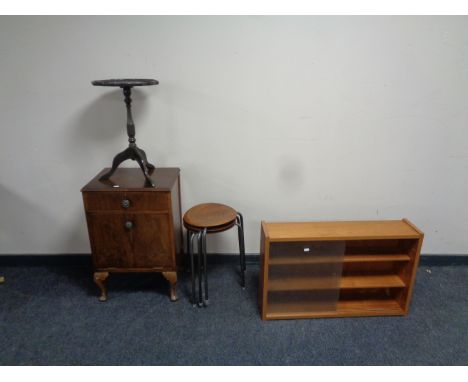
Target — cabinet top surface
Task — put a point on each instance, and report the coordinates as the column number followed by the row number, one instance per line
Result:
column 132, row 179
column 340, row 230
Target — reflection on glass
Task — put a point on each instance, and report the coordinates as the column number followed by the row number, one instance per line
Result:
column 305, row 276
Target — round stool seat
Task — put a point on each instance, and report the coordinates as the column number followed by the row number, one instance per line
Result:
column 219, row 228
column 209, row 215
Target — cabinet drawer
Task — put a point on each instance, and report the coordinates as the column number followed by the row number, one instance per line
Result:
column 126, row 201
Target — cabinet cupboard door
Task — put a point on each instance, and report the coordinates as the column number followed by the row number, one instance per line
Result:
column 151, row 240
column 139, row 240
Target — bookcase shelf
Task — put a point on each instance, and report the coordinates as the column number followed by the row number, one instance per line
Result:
column 337, row 269
column 343, row 308
column 345, row 282
column 290, row 260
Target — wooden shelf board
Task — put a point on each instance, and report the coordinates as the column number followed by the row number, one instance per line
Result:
column 379, row 281
column 375, row 258
column 340, row 230
column 345, row 282
column 346, row 308
column 301, row 259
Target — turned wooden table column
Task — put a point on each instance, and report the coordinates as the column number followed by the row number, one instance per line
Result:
column 133, row 228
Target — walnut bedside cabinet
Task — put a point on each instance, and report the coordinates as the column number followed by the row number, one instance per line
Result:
column 133, row 228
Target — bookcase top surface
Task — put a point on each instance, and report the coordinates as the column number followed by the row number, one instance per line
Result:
column 340, row 230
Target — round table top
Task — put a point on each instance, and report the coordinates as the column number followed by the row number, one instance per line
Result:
column 209, row 215
column 125, row 82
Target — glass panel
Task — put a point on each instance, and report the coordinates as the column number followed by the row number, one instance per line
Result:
column 380, row 247
column 304, row 276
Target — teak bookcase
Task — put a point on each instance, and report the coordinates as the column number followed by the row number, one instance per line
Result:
column 337, row 269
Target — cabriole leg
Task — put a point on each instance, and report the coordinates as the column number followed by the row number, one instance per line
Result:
column 118, row 159
column 172, row 278
column 100, row 280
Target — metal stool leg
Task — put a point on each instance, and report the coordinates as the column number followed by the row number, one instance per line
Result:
column 187, row 243
column 190, row 236
column 243, row 243
column 240, row 232
column 200, row 250
column 205, row 267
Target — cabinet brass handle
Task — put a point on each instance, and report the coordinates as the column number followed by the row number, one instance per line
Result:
column 128, row 225
column 125, row 203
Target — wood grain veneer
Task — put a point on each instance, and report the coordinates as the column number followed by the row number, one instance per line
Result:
column 337, row 269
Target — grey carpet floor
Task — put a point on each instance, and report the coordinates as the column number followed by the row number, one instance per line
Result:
column 50, row 315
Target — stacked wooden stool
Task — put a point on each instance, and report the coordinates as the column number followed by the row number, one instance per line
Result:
column 204, row 219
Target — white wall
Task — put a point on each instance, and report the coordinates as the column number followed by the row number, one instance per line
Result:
column 284, row 118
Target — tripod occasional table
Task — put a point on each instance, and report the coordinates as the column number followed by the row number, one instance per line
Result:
column 132, row 151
